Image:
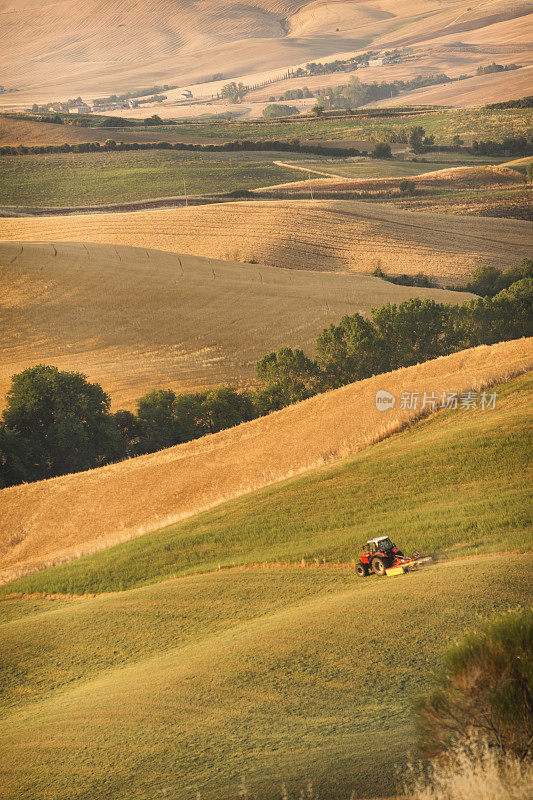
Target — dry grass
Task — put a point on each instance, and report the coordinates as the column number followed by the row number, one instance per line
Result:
column 340, row 236
column 474, row 771
column 60, row 519
column 134, row 319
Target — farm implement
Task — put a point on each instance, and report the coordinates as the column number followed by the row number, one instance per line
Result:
column 382, row 557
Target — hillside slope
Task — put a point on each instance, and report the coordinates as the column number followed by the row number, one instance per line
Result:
column 61, row 519
column 134, row 319
column 60, row 50
column 472, row 497
column 325, row 235
column 476, row 91
column 188, row 685
column 471, row 177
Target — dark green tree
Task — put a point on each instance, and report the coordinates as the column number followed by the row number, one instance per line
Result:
column 225, row 407
column 157, row 417
column 382, row 150
column 288, row 376
column 63, row 421
column 348, row 351
column 416, row 138
column 15, row 458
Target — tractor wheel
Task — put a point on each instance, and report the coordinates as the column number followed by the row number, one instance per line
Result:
column 379, row 566
column 362, row 570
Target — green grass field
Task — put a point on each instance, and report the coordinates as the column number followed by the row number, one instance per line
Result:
column 455, row 484
column 278, row 673
column 114, row 177
column 444, row 124
column 291, row 675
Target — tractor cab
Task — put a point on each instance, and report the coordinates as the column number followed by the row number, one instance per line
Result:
column 381, row 544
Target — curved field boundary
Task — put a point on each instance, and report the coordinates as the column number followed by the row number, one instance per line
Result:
column 61, row 519
column 133, row 319
column 341, row 236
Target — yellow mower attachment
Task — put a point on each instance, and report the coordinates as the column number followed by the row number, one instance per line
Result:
column 395, row 570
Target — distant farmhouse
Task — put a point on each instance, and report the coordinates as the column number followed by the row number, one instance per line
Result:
column 378, row 62
column 81, row 108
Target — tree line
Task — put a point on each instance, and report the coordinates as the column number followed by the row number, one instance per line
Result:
column 356, row 93
column 290, row 146
column 56, row 422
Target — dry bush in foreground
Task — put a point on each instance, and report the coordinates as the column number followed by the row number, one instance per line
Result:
column 473, row 771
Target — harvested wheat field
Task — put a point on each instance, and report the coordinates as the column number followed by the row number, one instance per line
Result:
column 134, row 319
column 342, row 236
column 60, row 519
column 476, row 91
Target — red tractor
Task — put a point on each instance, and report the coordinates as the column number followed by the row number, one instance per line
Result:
column 383, row 558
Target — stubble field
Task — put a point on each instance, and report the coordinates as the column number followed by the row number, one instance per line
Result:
column 345, row 236
column 134, row 319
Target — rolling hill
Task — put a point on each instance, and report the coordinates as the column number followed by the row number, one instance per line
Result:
column 134, row 319
column 187, row 685
column 60, row 51
column 453, row 178
column 323, row 235
column 61, row 519
column 476, row 91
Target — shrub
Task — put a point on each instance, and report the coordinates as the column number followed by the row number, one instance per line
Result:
column 486, row 687
column 276, row 110
column 407, row 187
column 489, row 281
column 382, row 150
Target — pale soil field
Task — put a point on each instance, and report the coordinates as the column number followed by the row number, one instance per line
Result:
column 477, row 91
column 206, row 111
column 340, row 236
column 133, row 319
column 61, row 519
column 452, row 61
column 63, row 50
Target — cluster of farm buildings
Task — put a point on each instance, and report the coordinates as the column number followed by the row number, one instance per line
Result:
column 85, row 108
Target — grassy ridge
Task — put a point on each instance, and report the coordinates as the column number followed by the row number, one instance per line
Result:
column 455, row 483
column 185, row 686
